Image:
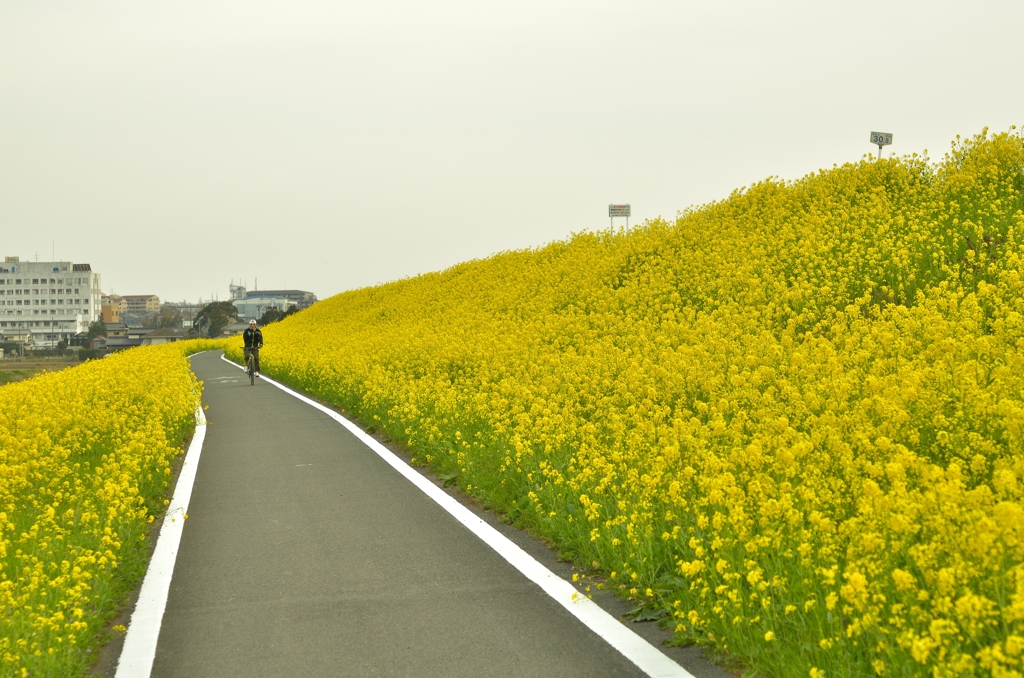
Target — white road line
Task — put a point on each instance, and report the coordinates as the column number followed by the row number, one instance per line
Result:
column 648, row 658
column 139, row 649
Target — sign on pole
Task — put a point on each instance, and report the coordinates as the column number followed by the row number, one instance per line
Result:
column 881, row 139
column 618, row 211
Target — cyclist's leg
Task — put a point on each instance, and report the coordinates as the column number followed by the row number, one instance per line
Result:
column 256, row 354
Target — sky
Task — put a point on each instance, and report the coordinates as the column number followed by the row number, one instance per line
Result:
column 332, row 145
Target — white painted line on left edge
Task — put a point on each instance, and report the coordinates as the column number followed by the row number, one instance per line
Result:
column 139, row 649
column 645, row 656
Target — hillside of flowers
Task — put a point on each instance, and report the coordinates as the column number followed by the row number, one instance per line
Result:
column 789, row 423
column 85, row 461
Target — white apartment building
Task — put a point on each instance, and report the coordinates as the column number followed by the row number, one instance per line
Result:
column 253, row 308
column 47, row 300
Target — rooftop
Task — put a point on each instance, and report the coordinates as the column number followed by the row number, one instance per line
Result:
column 259, row 293
column 164, row 332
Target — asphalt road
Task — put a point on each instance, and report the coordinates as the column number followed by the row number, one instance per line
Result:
column 305, row 554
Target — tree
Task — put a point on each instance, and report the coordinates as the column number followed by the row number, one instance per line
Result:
column 97, row 328
column 271, row 315
column 214, row 317
column 169, row 318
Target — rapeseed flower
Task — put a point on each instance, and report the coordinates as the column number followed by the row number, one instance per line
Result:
column 85, row 459
column 794, row 413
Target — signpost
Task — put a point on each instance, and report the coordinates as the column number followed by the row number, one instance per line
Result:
column 881, row 139
column 618, row 211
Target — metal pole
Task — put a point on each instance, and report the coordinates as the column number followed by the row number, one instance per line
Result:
column 879, row 151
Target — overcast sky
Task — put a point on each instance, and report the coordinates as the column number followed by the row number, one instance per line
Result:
column 331, row 145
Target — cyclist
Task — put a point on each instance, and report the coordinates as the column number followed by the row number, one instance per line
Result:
column 253, row 343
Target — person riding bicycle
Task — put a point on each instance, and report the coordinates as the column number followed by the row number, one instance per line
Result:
column 253, row 339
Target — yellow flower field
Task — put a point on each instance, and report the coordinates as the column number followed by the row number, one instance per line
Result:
column 85, row 457
column 790, row 422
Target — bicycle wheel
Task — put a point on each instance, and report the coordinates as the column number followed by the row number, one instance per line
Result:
column 252, row 371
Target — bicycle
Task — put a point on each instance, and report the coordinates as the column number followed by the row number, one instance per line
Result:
column 250, row 366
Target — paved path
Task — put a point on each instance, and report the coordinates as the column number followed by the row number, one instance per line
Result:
column 305, row 554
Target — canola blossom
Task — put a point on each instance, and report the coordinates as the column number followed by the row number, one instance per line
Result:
column 85, row 460
column 790, row 422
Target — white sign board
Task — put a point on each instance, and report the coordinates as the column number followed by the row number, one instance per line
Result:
column 881, row 138
column 618, row 210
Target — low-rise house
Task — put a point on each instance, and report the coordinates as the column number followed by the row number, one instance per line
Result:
column 118, row 329
column 121, row 343
column 234, row 328
column 111, row 308
column 162, row 336
column 138, row 336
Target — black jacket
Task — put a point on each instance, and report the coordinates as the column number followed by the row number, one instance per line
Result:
column 252, row 337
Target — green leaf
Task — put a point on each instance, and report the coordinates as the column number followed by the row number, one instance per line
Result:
column 645, row 612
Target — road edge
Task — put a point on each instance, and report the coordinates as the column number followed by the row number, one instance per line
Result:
column 637, row 650
column 139, row 649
